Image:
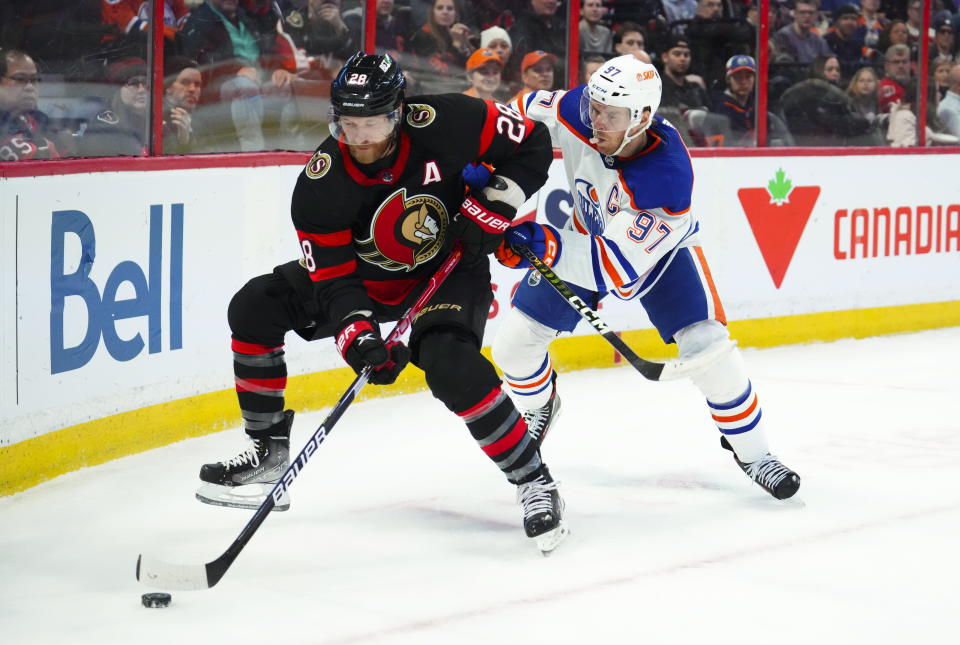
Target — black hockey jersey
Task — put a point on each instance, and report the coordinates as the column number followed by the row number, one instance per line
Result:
column 369, row 234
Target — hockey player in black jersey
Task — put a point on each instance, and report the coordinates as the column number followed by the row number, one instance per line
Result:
column 377, row 209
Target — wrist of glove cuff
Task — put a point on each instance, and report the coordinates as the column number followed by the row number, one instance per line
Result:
column 542, row 239
column 481, row 223
column 361, row 346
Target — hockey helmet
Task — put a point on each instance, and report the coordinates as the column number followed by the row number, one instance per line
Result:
column 367, row 85
column 628, row 86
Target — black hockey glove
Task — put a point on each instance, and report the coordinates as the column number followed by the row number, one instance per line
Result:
column 361, row 345
column 481, row 223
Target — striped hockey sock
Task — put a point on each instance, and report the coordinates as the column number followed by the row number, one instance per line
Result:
column 260, row 372
column 740, row 422
column 533, row 391
column 502, row 434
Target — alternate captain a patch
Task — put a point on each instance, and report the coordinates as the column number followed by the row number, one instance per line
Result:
column 421, row 115
column 318, row 165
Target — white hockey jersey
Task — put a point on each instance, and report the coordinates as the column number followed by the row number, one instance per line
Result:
column 629, row 214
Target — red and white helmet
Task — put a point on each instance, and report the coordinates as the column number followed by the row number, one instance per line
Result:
column 625, row 82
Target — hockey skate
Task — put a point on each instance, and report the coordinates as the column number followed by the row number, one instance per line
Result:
column 769, row 473
column 245, row 480
column 540, row 421
column 542, row 512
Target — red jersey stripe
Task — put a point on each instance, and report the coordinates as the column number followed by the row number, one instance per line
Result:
column 340, row 238
column 336, row 271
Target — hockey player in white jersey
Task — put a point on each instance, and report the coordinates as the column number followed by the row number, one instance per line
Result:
column 632, row 235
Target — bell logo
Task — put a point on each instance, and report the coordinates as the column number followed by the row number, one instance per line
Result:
column 777, row 215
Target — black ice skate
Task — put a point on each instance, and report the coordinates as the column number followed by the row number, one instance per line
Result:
column 769, row 473
column 542, row 511
column 245, row 480
column 540, row 421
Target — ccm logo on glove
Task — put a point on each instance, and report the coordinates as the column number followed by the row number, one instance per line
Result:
column 488, row 220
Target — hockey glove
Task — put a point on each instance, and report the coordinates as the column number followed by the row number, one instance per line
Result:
column 477, row 175
column 481, row 223
column 361, row 345
column 543, row 240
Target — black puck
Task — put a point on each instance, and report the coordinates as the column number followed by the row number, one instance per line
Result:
column 156, row 600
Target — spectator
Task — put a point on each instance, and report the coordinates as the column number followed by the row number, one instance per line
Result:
column 826, row 68
column 799, row 39
column 914, row 24
column 393, row 28
column 949, row 109
column 872, row 23
column 121, row 129
column 714, row 39
column 845, row 39
column 940, row 73
column 902, row 131
column 735, row 103
column 236, row 50
column 862, row 90
column 680, row 90
column 183, row 85
column 443, row 46
column 24, row 129
column 897, row 77
column 589, row 64
column 466, row 11
column 944, row 40
column 483, row 72
column 318, row 28
column 675, row 10
column 497, row 40
column 129, row 22
column 629, row 38
column 539, row 28
column 537, row 72
column 819, row 113
column 594, row 36
column 895, row 33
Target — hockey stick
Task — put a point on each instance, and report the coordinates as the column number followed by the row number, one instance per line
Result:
column 164, row 575
column 652, row 370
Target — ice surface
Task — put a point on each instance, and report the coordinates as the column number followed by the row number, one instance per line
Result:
column 401, row 531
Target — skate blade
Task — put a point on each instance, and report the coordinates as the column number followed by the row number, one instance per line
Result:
column 249, row 496
column 550, row 540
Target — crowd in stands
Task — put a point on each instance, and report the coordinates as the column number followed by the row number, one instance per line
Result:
column 254, row 74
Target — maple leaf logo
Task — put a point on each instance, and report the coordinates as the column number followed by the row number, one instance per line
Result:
column 779, row 188
column 777, row 216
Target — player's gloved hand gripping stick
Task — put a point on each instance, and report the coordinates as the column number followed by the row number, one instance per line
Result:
column 164, row 575
column 652, row 370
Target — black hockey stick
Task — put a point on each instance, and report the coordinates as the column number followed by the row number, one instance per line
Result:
column 652, row 370
column 164, row 575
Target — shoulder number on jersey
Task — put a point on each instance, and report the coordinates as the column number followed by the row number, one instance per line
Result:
column 510, row 122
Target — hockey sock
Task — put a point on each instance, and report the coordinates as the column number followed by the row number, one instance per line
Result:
column 520, row 349
column 534, row 390
column 734, row 406
column 260, row 372
column 467, row 383
column 499, row 429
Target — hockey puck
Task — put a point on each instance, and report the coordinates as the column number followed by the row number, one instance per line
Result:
column 156, row 600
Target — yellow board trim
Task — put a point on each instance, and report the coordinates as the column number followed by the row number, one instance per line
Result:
column 33, row 461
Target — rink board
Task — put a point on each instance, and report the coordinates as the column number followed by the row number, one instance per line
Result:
column 115, row 285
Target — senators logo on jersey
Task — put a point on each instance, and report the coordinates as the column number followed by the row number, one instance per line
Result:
column 318, row 165
column 405, row 232
column 421, row 115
